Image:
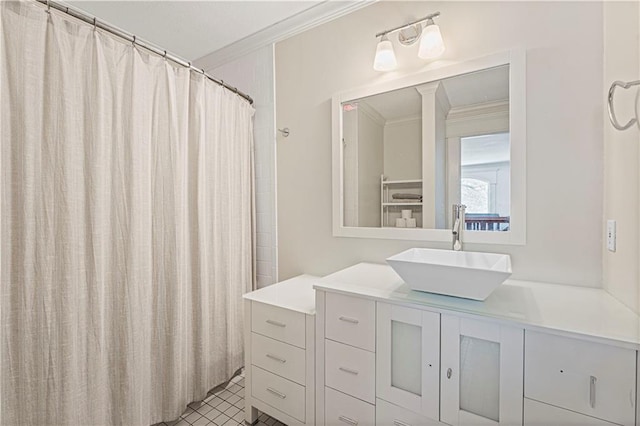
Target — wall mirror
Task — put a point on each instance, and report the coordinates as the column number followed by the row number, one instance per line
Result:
column 407, row 150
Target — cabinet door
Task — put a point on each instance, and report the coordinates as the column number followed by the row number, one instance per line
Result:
column 482, row 373
column 408, row 358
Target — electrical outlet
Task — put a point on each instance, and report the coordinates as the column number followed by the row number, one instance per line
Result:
column 611, row 235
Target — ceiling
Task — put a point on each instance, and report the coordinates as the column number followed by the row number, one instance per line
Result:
column 462, row 90
column 193, row 29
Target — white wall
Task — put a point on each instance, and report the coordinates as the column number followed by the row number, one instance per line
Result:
column 403, row 149
column 254, row 74
column 621, row 195
column 350, row 166
column 564, row 44
column 370, row 166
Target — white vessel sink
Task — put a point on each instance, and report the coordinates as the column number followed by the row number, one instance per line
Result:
column 472, row 275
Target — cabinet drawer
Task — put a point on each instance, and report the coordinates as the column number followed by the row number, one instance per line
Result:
column 590, row 378
column 279, row 358
column 388, row 414
column 345, row 410
column 280, row 393
column 539, row 414
column 350, row 370
column 351, row 320
column 278, row 323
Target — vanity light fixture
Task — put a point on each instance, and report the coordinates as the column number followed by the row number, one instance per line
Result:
column 431, row 43
column 385, row 59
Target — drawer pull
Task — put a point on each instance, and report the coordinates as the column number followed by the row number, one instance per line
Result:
column 399, row 423
column 349, row 320
column 348, row 370
column 347, row 420
column 592, row 391
column 276, row 323
column 449, row 372
column 276, row 393
column 275, row 358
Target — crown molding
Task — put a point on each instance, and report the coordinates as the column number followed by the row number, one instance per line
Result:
column 298, row 23
column 404, row 120
column 372, row 113
column 483, row 110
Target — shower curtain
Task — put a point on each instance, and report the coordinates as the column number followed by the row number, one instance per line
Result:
column 126, row 190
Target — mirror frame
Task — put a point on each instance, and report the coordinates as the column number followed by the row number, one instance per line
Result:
column 516, row 59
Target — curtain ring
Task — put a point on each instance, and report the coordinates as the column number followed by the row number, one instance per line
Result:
column 165, row 55
column 95, row 23
column 48, row 7
column 133, row 42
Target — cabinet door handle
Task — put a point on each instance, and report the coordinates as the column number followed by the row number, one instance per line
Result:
column 449, row 372
column 350, row 320
column 592, row 391
column 348, row 420
column 348, row 370
column 276, row 323
column 275, row 358
column 276, row 393
column 399, row 423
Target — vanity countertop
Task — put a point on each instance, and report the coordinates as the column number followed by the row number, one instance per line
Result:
column 296, row 294
column 566, row 310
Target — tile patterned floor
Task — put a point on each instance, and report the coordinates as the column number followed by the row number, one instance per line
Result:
column 223, row 406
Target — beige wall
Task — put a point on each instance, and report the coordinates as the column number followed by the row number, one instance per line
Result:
column 621, row 62
column 564, row 44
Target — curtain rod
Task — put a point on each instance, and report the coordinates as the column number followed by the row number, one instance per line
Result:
column 139, row 42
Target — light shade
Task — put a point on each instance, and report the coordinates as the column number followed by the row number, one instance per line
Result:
column 431, row 44
column 385, row 59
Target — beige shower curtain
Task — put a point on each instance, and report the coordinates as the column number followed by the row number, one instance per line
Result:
column 126, row 226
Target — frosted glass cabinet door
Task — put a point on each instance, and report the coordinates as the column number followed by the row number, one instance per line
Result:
column 408, row 358
column 482, row 373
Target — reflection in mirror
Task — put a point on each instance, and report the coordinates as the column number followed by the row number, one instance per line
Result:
column 411, row 153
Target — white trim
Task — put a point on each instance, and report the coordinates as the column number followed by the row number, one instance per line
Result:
column 403, row 120
column 518, row 134
column 296, row 24
column 498, row 108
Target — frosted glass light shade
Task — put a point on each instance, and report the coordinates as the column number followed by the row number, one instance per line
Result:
column 431, row 43
column 385, row 59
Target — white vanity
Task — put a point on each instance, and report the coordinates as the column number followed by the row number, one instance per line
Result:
column 370, row 351
column 279, row 335
column 532, row 354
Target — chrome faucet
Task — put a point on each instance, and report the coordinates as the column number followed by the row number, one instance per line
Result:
column 458, row 226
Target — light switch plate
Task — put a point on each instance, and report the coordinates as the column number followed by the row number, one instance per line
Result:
column 611, row 235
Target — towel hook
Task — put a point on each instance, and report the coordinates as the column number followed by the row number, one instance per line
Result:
column 285, row 132
column 612, row 113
